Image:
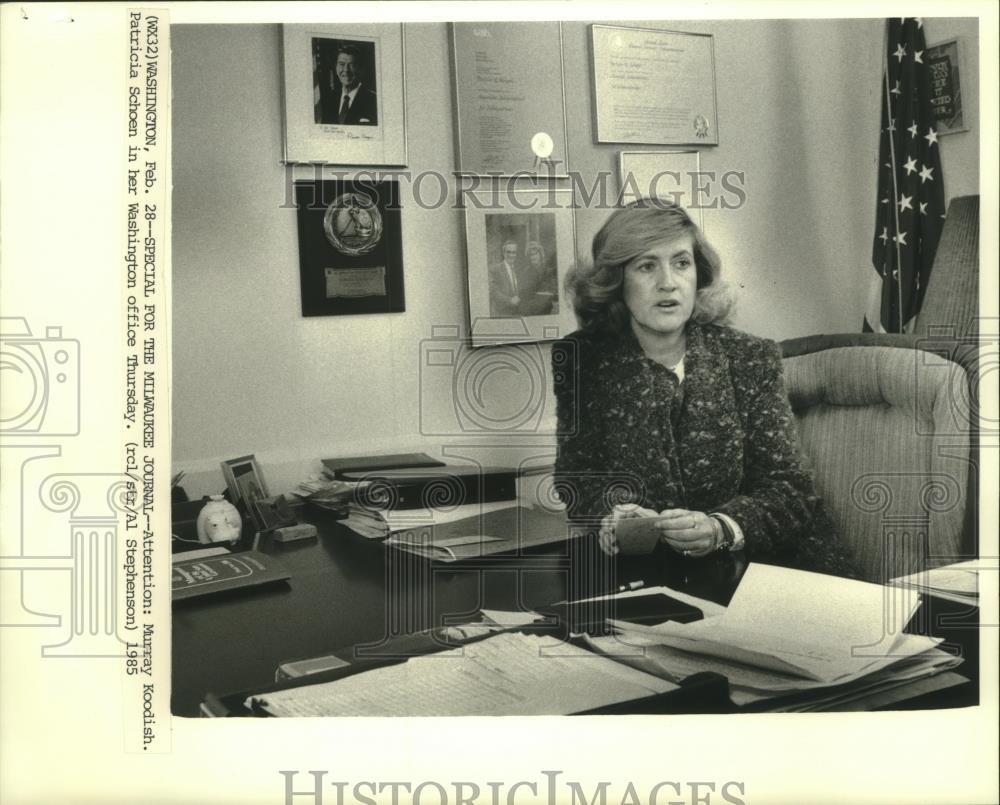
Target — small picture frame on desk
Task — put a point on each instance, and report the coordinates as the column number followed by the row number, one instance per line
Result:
column 271, row 513
column 245, row 483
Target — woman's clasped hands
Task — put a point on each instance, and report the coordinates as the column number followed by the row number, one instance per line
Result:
column 690, row 533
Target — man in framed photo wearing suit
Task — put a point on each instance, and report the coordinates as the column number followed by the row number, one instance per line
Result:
column 346, row 99
column 506, row 283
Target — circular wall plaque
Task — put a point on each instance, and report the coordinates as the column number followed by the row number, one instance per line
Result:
column 353, row 224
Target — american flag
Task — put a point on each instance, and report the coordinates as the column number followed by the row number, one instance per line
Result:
column 910, row 210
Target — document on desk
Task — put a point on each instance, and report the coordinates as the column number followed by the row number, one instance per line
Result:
column 708, row 608
column 506, row 674
column 802, row 624
column 748, row 685
column 958, row 582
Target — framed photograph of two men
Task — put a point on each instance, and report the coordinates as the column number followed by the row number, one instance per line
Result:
column 350, row 247
column 345, row 96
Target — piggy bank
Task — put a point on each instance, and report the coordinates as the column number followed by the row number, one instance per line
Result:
column 218, row 521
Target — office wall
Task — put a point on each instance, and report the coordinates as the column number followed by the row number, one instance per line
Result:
column 798, row 105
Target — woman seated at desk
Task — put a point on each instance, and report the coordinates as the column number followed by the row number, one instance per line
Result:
column 665, row 411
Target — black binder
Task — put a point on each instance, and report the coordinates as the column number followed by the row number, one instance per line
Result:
column 364, row 464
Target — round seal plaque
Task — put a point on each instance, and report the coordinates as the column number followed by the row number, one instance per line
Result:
column 353, row 224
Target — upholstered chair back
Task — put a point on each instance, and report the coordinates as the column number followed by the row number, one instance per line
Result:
column 951, row 303
column 887, row 433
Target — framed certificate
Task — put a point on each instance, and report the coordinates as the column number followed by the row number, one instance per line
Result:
column 654, row 87
column 350, row 247
column 509, row 98
column 520, row 246
column 665, row 175
column 345, row 94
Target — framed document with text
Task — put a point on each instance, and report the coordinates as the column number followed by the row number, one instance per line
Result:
column 509, row 98
column 654, row 87
column 520, row 246
column 345, row 94
column 350, row 247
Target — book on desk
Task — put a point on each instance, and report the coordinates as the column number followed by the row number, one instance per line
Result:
column 196, row 574
column 337, row 467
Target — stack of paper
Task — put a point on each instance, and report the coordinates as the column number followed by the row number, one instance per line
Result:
column 355, row 502
column 789, row 632
column 327, row 492
column 442, row 549
column 492, row 620
column 404, row 519
column 506, row 674
column 369, row 523
column 958, row 582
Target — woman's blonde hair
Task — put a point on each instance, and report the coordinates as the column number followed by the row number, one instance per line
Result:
column 629, row 231
column 535, row 246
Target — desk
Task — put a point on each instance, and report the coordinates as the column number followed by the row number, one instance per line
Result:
column 347, row 591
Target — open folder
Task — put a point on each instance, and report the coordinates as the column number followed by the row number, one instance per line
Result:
column 500, row 531
column 805, row 625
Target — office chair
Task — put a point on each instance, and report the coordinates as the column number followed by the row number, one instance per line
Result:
column 886, row 424
column 890, row 422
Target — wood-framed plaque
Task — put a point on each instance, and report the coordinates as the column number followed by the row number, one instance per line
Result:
column 509, row 98
column 520, row 245
column 345, row 94
column 654, row 87
column 350, row 247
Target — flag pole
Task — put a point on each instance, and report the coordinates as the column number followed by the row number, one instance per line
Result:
column 892, row 170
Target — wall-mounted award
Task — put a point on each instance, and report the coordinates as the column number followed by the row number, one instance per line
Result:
column 509, row 99
column 350, row 247
column 653, row 86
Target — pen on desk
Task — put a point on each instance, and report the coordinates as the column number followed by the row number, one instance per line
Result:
column 632, row 585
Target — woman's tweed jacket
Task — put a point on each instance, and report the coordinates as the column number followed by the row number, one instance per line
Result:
column 724, row 441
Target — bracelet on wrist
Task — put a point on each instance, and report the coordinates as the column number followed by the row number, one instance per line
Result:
column 726, row 539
